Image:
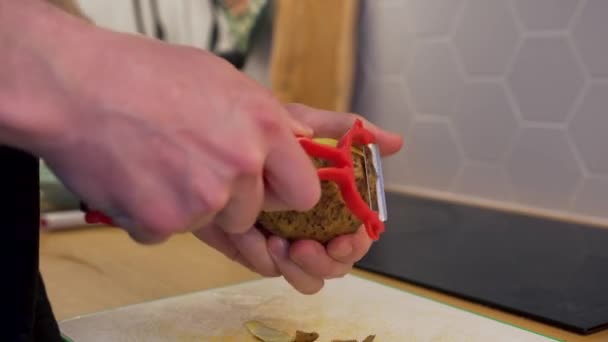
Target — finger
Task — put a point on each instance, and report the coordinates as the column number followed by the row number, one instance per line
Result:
column 218, row 240
column 139, row 235
column 198, row 221
column 300, row 280
column 290, row 175
column 330, row 124
column 145, row 238
column 244, row 207
column 299, row 128
column 313, row 259
column 272, row 202
column 350, row 248
column 252, row 246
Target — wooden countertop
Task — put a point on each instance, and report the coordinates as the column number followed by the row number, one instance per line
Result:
column 95, row 269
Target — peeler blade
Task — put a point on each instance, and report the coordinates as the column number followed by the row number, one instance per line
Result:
column 380, row 195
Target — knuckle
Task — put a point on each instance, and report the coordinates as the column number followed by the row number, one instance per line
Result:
column 269, row 124
column 216, row 201
column 211, row 195
column 251, row 162
column 263, row 112
column 159, row 220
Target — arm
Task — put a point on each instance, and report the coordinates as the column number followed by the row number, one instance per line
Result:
column 34, row 37
column 143, row 130
column 164, row 138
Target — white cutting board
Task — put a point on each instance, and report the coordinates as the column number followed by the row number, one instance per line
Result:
column 347, row 308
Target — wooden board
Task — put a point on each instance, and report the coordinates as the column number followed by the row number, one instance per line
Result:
column 351, row 307
column 313, row 52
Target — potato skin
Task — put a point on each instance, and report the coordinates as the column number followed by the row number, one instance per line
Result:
column 330, row 217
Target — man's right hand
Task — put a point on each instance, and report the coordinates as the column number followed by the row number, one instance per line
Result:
column 163, row 138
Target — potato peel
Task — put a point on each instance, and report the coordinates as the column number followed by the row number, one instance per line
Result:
column 266, row 333
column 369, row 338
column 302, row 336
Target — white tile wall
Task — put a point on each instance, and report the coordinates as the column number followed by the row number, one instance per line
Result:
column 497, row 99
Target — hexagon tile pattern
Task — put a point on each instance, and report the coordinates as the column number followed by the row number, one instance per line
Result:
column 542, row 168
column 483, row 180
column 433, row 17
column 432, row 158
column 589, row 129
column 496, row 99
column 546, row 79
column 484, row 114
column 382, row 30
column 434, row 79
column 383, row 103
column 589, row 36
column 486, row 36
column 591, row 199
column 542, row 15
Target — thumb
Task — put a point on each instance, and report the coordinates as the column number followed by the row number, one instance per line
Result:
column 331, row 124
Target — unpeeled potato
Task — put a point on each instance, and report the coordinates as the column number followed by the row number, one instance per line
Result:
column 330, row 217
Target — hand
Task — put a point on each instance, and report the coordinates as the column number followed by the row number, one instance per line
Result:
column 304, row 264
column 166, row 139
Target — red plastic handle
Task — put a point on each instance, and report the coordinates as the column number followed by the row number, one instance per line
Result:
column 96, row 217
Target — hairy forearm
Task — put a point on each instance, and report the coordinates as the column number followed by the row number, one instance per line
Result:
column 35, row 39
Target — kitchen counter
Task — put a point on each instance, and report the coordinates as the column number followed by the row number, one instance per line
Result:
column 93, row 269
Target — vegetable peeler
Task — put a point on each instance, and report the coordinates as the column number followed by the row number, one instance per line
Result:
column 373, row 214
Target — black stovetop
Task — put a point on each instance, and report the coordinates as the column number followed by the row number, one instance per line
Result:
column 551, row 271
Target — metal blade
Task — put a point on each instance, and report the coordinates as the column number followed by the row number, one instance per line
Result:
column 366, row 155
column 380, row 206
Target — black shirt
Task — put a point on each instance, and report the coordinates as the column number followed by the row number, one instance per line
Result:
column 26, row 313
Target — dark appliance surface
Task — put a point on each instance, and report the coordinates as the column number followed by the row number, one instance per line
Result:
column 551, row 271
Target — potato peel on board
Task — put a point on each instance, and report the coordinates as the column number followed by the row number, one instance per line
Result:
column 369, row 338
column 302, row 336
column 267, row 334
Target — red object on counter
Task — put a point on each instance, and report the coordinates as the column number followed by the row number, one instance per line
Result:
column 341, row 172
column 95, row 217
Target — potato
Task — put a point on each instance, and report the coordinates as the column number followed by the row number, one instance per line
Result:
column 330, row 217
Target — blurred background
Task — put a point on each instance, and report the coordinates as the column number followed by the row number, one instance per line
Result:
column 502, row 103
column 499, row 101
